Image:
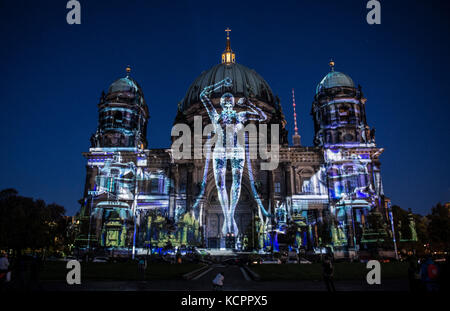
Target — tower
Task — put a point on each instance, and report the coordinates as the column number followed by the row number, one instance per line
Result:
column 339, row 112
column 350, row 155
column 114, row 167
column 296, row 137
column 123, row 115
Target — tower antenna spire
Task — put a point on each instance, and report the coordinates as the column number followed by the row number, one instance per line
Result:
column 295, row 114
column 296, row 136
column 128, row 70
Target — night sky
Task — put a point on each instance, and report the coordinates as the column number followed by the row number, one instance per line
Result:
column 53, row 75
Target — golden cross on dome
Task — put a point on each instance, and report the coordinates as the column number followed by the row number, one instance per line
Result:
column 228, row 30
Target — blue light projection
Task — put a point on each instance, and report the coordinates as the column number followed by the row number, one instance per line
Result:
column 228, row 148
column 252, row 184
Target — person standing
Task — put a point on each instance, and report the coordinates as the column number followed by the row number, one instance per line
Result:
column 328, row 272
column 414, row 274
column 218, row 281
column 142, row 266
column 429, row 272
column 4, row 268
column 4, row 263
column 178, row 257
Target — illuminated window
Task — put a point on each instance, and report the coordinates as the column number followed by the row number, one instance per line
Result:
column 154, row 185
column 277, row 187
column 343, row 111
column 363, row 179
column 338, row 190
column 161, row 188
column 306, row 187
column 182, row 188
column 110, row 184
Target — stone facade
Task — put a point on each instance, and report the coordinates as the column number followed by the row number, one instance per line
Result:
column 323, row 196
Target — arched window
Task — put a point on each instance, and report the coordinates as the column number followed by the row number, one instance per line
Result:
column 118, row 116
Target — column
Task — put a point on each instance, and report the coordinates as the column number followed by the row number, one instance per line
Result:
column 189, row 187
column 350, row 224
column 294, row 181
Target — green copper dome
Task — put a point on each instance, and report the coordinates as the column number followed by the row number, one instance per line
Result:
column 335, row 79
column 128, row 90
column 126, row 84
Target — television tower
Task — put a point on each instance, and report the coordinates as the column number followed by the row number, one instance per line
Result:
column 295, row 137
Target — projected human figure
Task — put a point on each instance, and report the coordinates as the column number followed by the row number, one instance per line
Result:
column 228, row 147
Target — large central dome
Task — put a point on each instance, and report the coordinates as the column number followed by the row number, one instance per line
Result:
column 246, row 83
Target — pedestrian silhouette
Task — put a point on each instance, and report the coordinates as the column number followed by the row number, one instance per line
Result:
column 218, row 281
column 328, row 272
column 429, row 272
column 414, row 274
column 142, row 266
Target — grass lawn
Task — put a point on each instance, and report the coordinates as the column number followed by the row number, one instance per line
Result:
column 342, row 271
column 117, row 271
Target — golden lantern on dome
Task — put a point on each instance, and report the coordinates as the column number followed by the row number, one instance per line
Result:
column 228, row 56
column 331, row 63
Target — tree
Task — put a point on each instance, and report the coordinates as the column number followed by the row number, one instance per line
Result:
column 251, row 235
column 6, row 193
column 423, row 236
column 439, row 227
column 401, row 223
column 403, row 230
column 28, row 223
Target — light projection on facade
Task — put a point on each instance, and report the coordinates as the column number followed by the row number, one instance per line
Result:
column 229, row 147
column 329, row 195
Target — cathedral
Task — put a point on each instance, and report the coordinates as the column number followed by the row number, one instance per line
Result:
column 327, row 196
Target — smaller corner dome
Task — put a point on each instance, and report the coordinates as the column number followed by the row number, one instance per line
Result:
column 126, row 84
column 335, row 79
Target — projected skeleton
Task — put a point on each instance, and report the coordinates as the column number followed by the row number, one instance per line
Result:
column 228, row 147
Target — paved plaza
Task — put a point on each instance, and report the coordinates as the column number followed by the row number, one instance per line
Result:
column 235, row 280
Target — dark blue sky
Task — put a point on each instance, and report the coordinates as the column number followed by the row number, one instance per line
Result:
column 53, row 74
